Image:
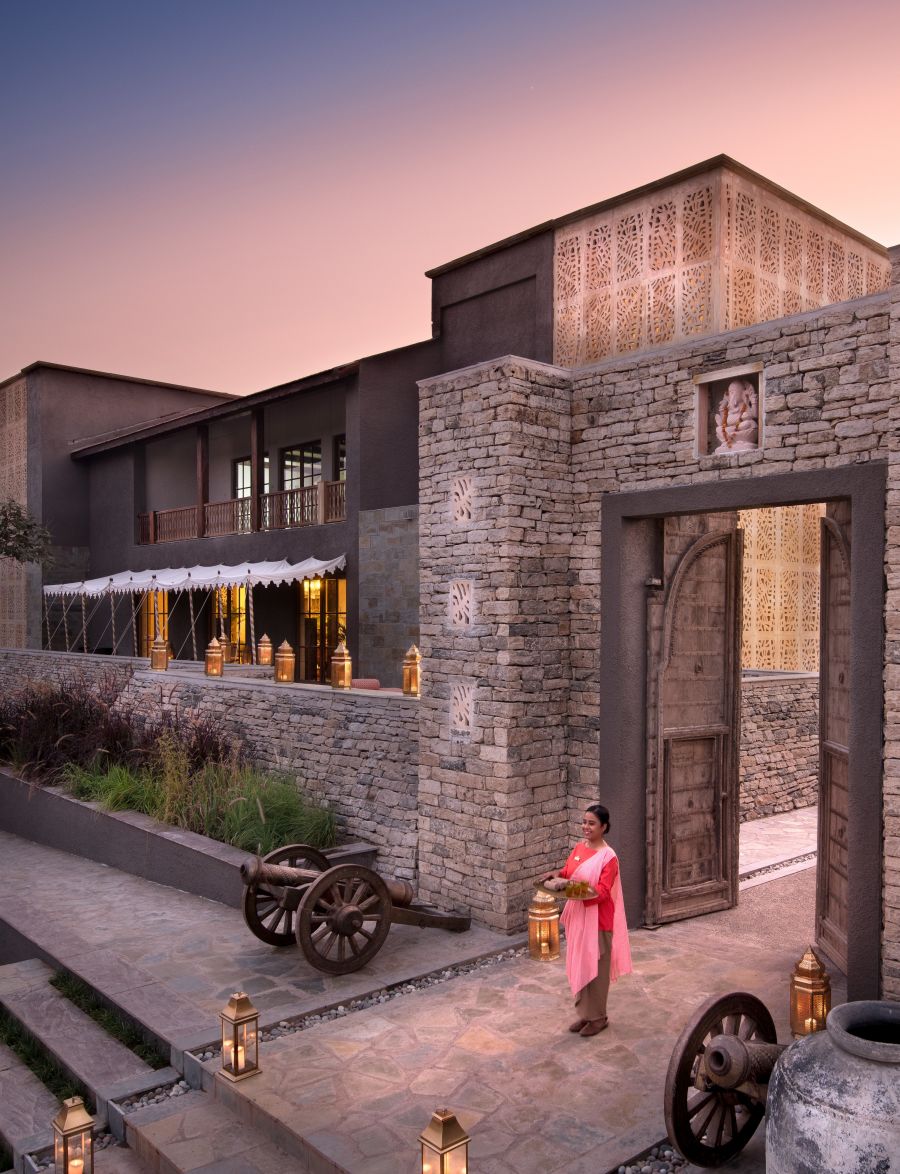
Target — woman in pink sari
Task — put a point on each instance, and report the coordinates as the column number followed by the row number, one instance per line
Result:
column 597, row 949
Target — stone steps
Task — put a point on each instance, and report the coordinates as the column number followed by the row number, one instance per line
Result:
column 79, row 1045
column 197, row 1133
column 26, row 1107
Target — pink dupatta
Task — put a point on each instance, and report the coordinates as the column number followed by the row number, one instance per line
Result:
column 582, row 925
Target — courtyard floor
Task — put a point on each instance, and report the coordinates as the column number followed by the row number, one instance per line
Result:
column 492, row 1045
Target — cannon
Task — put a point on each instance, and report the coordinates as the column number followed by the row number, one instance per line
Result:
column 718, row 1078
column 338, row 915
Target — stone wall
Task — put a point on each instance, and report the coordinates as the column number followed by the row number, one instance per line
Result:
column 388, row 591
column 357, row 750
column 779, row 743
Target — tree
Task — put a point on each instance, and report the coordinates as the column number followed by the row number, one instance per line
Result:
column 21, row 537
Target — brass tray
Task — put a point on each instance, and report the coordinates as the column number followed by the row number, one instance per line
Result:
column 561, row 894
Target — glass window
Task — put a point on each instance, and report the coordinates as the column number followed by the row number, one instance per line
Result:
column 154, row 614
column 323, row 624
column 241, row 477
column 340, row 458
column 302, row 466
column 229, row 621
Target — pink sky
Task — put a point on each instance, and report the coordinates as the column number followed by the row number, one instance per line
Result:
column 233, row 202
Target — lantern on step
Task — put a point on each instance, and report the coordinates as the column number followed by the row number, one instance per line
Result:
column 73, row 1138
column 341, row 667
column 215, row 659
column 445, row 1145
column 810, row 995
column 285, row 660
column 264, row 652
column 543, row 927
column 411, row 663
column 240, row 1038
column 159, row 655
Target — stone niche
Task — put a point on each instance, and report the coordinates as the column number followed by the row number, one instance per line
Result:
column 729, row 412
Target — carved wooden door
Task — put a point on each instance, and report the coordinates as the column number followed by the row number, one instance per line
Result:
column 834, row 733
column 694, row 631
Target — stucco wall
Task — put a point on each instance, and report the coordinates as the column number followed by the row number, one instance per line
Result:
column 779, row 743
column 357, row 751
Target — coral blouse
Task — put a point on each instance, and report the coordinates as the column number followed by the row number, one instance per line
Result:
column 604, row 901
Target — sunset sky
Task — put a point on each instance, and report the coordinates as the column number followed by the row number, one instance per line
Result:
column 231, row 194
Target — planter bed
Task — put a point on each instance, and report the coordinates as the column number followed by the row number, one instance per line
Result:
column 135, row 843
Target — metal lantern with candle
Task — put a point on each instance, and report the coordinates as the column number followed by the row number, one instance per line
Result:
column 240, row 1038
column 284, row 662
column 215, row 660
column 445, row 1145
column 73, row 1138
column 810, row 995
column 159, row 655
column 264, row 651
column 341, row 667
column 411, row 663
column 543, row 926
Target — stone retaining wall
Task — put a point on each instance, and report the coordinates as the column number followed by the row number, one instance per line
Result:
column 779, row 743
column 356, row 750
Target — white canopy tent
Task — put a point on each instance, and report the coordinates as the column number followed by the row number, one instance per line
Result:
column 178, row 579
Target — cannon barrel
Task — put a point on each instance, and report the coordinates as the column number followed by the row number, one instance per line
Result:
column 256, row 871
column 731, row 1061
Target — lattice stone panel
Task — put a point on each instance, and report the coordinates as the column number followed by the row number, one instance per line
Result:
column 13, row 485
column 781, row 588
column 704, row 256
column 461, row 603
column 461, row 499
column 462, row 705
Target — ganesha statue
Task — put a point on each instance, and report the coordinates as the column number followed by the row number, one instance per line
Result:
column 737, row 418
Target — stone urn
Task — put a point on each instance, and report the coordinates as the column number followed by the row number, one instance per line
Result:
column 834, row 1097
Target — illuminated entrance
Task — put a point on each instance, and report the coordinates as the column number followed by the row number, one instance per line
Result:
column 323, row 624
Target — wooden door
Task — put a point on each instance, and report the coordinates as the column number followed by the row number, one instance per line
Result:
column 834, row 733
column 694, row 636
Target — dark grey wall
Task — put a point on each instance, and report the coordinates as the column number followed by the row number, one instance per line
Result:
column 170, row 471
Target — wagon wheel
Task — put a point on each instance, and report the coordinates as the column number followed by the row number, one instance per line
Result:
column 344, row 918
column 708, row 1124
column 262, row 912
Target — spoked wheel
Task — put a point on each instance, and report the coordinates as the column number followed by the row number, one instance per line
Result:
column 344, row 918
column 708, row 1124
column 262, row 909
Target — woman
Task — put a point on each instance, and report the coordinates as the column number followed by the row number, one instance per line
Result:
column 597, row 948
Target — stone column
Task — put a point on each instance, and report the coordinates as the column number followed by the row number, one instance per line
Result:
column 891, row 938
column 495, row 535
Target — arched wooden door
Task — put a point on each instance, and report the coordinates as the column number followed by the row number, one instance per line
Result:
column 694, row 639
column 834, row 734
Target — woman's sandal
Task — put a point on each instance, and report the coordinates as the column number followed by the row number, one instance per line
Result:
column 578, row 1024
column 594, row 1027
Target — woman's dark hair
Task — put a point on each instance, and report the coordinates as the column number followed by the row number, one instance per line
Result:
column 601, row 813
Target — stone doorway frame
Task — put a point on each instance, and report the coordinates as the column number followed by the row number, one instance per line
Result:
column 630, row 556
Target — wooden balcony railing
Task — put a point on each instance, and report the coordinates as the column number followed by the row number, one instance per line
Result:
column 311, row 506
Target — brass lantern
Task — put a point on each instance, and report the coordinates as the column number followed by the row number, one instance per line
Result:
column 159, row 655
column 284, row 662
column 73, row 1138
column 810, row 995
column 215, row 660
column 543, row 927
column 341, row 667
column 445, row 1145
column 411, row 663
column 240, row 1038
column 264, row 654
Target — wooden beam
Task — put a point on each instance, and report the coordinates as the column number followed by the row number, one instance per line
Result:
column 202, row 477
column 257, row 465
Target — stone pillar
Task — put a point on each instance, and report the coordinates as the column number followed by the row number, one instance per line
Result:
column 495, row 535
column 891, row 913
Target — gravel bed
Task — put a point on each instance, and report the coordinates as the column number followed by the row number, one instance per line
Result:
column 778, row 867
column 301, row 1022
column 154, row 1096
column 44, row 1161
column 659, row 1159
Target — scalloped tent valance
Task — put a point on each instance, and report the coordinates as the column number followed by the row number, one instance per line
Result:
column 201, row 578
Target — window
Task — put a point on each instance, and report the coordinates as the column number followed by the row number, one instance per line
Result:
column 323, row 624
column 340, row 458
column 301, row 466
column 229, row 621
column 241, row 477
column 154, row 614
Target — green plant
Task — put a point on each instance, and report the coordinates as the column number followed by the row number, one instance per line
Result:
column 22, row 537
column 33, row 1056
column 112, row 1022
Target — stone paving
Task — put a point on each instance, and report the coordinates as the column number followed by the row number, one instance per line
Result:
column 777, row 838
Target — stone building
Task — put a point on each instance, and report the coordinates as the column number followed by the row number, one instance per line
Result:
column 574, row 539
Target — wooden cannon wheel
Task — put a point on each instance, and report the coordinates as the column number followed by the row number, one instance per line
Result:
column 263, row 912
column 708, row 1124
column 344, row 918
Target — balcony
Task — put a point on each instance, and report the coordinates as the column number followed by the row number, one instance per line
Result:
column 315, row 505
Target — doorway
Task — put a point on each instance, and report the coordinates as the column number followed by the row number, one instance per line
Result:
column 663, row 770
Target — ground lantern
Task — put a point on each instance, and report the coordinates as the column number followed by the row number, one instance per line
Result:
column 264, row 653
column 810, row 995
column 159, row 655
column 73, row 1138
column 543, row 927
column 284, row 663
column 445, row 1145
column 240, row 1038
column 341, row 668
column 411, row 663
column 215, row 659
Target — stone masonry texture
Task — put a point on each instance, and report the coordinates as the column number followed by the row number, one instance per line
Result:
column 779, row 744
column 388, row 591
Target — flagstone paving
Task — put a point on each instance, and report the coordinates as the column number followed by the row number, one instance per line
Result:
column 777, row 838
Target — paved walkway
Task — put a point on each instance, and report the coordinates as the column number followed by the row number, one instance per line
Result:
column 777, row 838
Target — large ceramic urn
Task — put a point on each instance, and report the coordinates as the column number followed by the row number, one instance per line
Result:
column 834, row 1097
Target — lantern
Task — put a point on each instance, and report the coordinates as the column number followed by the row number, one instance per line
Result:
column 810, row 995
column 159, row 655
column 73, row 1138
column 226, row 649
column 240, row 1038
column 341, row 667
column 264, row 654
column 543, row 927
column 284, row 662
column 411, row 663
column 215, row 660
column 445, row 1145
